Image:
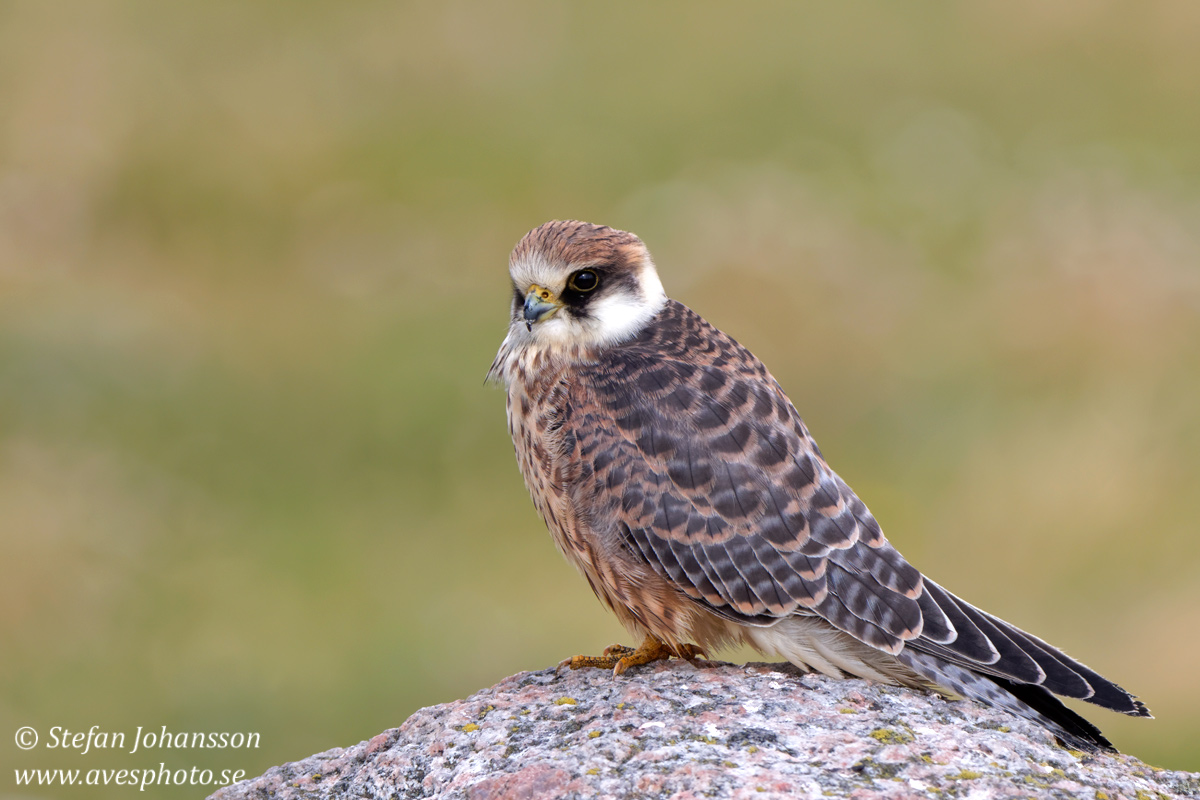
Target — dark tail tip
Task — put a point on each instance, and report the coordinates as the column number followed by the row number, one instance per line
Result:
column 1069, row 728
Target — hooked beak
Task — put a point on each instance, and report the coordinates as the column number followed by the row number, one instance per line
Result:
column 540, row 304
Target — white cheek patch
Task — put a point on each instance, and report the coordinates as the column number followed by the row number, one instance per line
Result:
column 618, row 317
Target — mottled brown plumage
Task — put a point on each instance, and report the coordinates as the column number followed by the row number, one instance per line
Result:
column 674, row 473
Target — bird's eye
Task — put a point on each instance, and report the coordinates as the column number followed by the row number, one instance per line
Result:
column 583, row 281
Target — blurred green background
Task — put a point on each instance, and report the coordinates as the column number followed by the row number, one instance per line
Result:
column 253, row 270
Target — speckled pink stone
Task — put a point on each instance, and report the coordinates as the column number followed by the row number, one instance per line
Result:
column 673, row 730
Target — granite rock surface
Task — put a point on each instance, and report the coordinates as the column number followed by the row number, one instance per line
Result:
column 679, row 731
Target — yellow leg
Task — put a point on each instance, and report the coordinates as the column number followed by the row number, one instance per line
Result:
column 619, row 658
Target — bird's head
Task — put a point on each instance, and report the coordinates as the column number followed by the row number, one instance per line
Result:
column 578, row 284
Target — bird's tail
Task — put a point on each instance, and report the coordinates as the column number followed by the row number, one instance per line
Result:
column 1029, row 701
column 988, row 644
column 995, row 662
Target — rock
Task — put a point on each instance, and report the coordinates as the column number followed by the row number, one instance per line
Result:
column 675, row 730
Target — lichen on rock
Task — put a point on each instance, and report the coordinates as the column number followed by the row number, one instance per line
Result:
column 678, row 730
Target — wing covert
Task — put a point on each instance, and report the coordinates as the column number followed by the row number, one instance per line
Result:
column 708, row 473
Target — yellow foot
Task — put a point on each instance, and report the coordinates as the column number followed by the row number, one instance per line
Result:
column 619, row 658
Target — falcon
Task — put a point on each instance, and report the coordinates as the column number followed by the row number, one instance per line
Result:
column 673, row 472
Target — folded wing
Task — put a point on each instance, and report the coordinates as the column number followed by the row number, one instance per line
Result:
column 695, row 455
